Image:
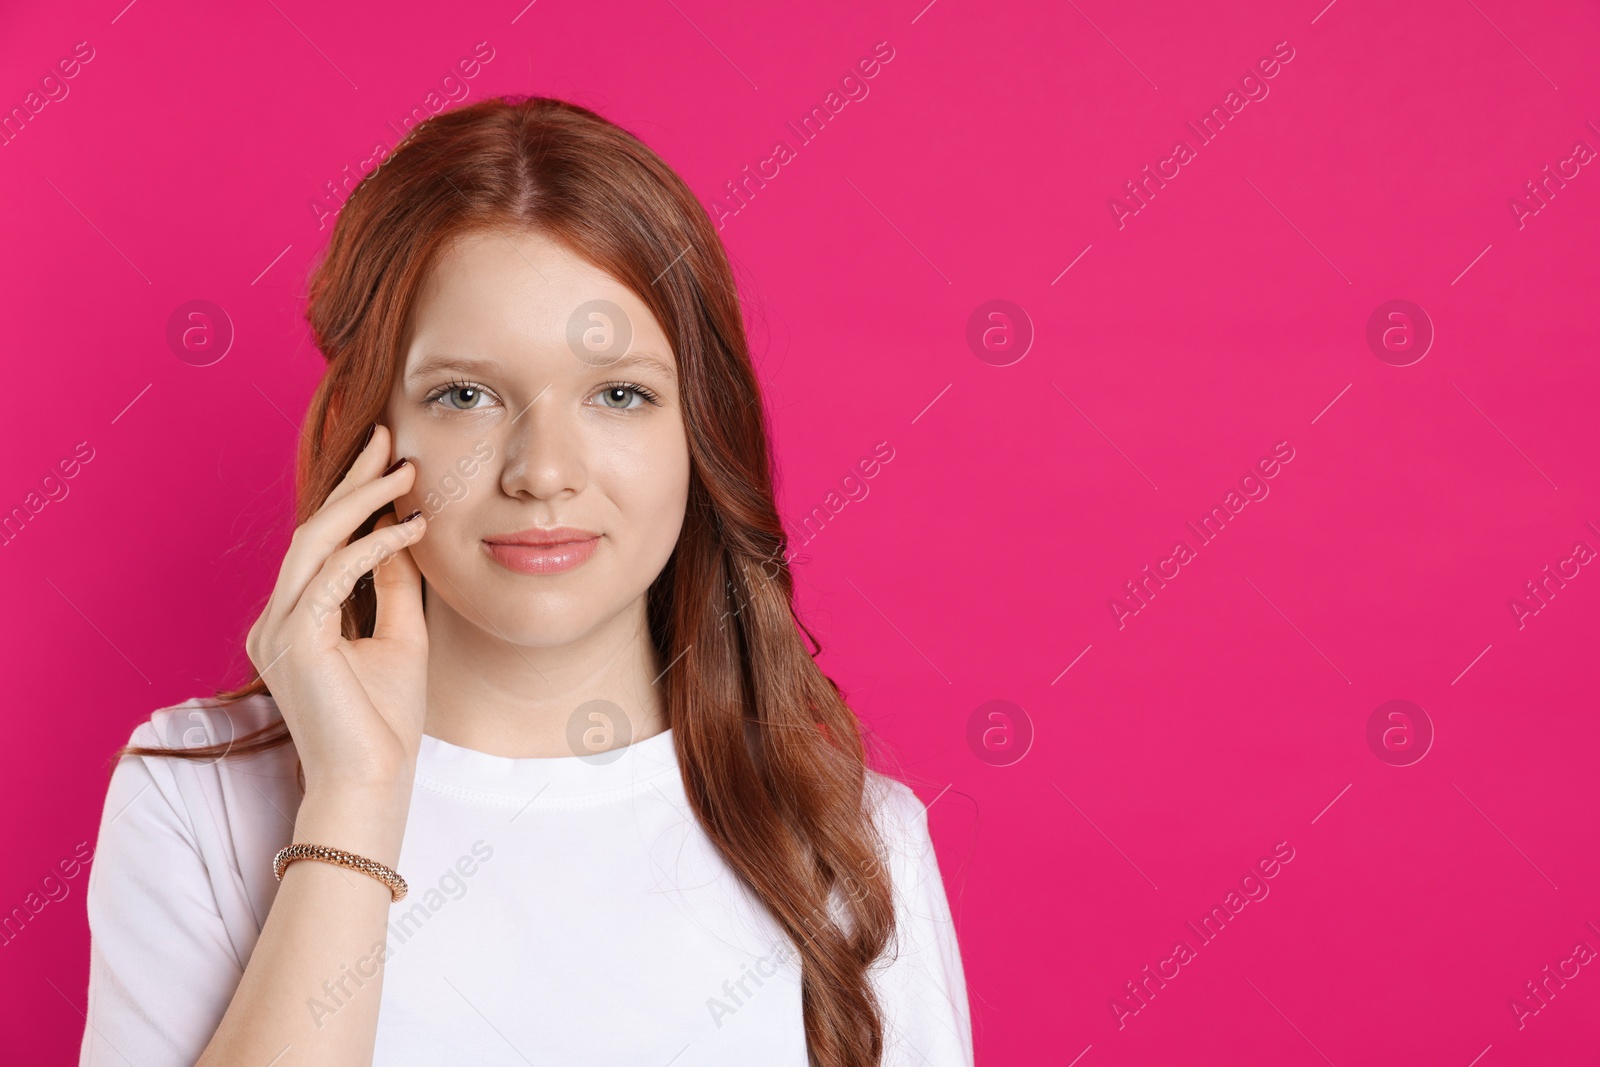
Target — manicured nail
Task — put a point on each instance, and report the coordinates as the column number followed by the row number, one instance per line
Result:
column 411, row 516
column 367, row 440
column 396, row 465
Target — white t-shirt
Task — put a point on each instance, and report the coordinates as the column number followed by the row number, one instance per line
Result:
column 563, row 910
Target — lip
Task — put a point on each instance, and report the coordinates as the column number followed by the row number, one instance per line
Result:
column 543, row 550
column 543, row 536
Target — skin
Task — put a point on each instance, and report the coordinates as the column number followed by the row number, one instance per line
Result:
column 513, row 656
column 463, row 649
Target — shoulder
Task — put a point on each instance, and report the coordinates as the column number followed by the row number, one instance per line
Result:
column 895, row 806
column 901, row 819
column 201, row 721
column 199, row 790
column 220, row 787
column 230, row 810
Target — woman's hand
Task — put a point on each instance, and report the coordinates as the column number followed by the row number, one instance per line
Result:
column 354, row 708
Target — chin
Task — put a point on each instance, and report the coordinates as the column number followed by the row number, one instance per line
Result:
column 522, row 628
column 545, row 620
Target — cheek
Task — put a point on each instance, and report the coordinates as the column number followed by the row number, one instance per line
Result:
column 649, row 487
column 453, row 472
column 434, row 556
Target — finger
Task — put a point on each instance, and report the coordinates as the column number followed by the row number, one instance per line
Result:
column 319, row 605
column 367, row 465
column 328, row 531
column 397, row 584
column 364, row 467
column 372, row 458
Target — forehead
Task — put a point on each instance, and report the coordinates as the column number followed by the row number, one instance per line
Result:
column 509, row 293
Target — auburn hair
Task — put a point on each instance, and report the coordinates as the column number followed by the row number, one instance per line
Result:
column 773, row 759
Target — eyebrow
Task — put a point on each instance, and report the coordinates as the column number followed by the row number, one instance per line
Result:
column 432, row 365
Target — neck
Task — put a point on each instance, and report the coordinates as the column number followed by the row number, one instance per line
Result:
column 490, row 694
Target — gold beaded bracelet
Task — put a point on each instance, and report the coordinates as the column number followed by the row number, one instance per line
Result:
column 290, row 853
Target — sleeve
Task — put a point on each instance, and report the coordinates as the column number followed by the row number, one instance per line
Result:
column 920, row 981
column 162, row 969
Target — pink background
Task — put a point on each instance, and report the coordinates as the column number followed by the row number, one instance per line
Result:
column 1228, row 314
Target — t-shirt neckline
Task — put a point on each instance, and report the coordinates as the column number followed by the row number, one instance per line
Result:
column 614, row 774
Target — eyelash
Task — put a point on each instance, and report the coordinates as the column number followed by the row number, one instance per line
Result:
column 446, row 389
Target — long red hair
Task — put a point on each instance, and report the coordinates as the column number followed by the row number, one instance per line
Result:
column 773, row 759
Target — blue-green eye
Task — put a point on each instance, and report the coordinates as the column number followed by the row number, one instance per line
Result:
column 469, row 392
column 619, row 396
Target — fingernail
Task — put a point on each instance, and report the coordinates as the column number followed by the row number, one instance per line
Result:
column 396, row 465
column 411, row 516
column 367, row 440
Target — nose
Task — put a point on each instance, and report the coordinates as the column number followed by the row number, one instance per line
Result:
column 544, row 450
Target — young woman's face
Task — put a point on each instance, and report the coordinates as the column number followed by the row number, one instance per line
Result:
column 536, row 392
